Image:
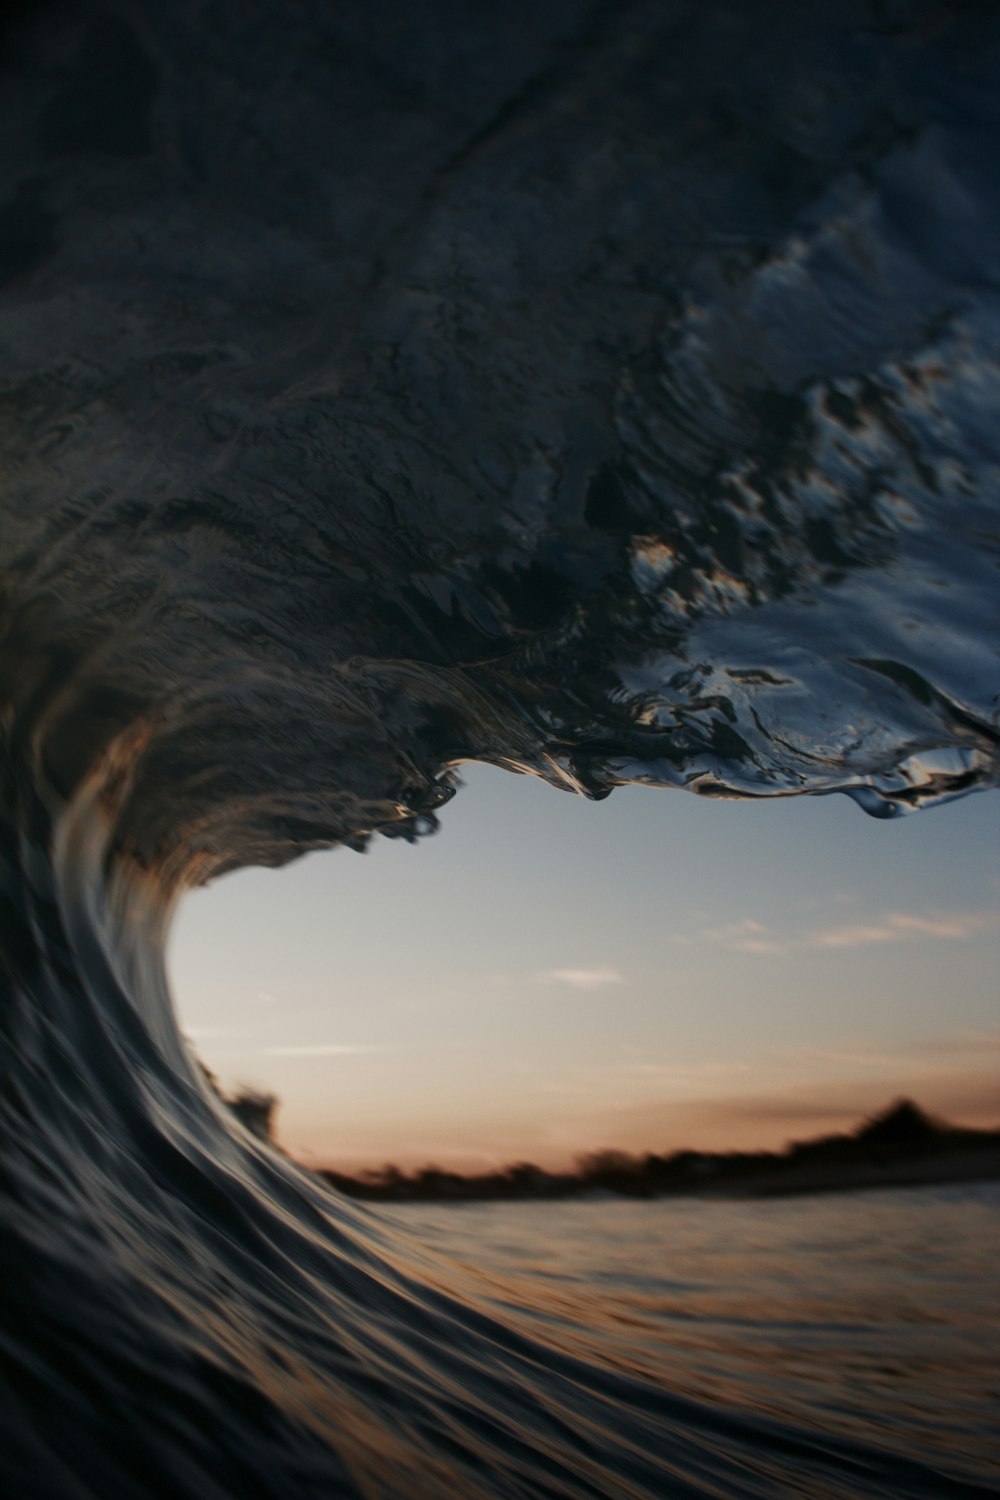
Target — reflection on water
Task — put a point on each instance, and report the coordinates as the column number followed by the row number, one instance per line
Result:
column 607, row 392
column 874, row 1316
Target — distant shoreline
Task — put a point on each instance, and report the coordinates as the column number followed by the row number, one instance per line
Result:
column 900, row 1147
column 981, row 1165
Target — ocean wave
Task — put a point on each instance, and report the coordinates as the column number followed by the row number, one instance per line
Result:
column 606, row 393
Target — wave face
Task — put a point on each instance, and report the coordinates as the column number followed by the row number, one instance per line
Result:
column 605, row 392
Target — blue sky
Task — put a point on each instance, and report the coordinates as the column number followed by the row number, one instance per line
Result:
column 548, row 976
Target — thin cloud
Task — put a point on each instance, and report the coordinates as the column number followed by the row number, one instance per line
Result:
column 688, row 1072
column 899, row 926
column 791, row 1111
column 729, row 934
column 753, row 938
column 734, row 932
column 972, row 1040
column 584, row 979
column 758, row 946
column 747, row 936
column 918, row 1056
column 318, row 1049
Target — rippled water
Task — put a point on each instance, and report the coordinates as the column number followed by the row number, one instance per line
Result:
column 868, row 1316
column 603, row 392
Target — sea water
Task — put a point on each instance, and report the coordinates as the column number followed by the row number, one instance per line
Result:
column 872, row 1316
column 603, row 392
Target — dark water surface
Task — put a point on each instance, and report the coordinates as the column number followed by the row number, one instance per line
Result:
column 607, row 392
column 868, row 1316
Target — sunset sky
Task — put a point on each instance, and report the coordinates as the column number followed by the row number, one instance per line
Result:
column 549, row 976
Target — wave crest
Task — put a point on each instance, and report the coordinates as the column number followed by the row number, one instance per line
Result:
column 607, row 393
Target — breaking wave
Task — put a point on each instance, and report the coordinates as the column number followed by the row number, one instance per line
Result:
column 608, row 393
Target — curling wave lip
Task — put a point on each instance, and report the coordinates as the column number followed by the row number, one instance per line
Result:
column 605, row 393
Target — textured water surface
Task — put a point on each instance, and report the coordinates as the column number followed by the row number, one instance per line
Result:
column 606, row 392
column 871, row 1316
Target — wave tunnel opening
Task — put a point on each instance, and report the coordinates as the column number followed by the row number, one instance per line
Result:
column 603, row 393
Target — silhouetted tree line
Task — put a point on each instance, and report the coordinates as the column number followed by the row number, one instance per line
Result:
column 881, row 1149
column 254, row 1108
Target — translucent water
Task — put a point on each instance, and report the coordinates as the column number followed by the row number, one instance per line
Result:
column 603, row 392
